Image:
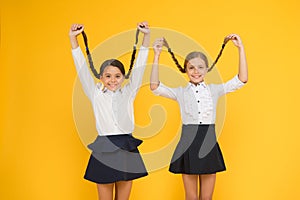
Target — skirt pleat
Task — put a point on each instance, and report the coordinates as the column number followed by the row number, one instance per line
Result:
column 115, row 158
column 198, row 151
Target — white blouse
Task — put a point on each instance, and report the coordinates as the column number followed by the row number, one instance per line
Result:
column 113, row 110
column 198, row 102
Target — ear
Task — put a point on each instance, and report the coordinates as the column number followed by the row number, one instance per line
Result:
column 101, row 78
column 206, row 70
column 124, row 77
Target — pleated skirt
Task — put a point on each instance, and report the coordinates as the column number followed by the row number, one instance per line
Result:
column 115, row 158
column 197, row 152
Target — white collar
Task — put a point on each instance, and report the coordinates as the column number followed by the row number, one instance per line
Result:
column 203, row 84
column 105, row 90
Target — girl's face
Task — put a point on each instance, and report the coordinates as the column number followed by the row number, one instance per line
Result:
column 112, row 78
column 196, row 70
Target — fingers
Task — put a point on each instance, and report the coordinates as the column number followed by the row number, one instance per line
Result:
column 158, row 43
column 143, row 27
column 143, row 24
column 232, row 36
column 76, row 27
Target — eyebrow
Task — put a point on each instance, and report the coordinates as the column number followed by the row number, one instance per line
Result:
column 196, row 66
column 118, row 74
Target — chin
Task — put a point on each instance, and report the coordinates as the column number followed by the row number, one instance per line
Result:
column 114, row 88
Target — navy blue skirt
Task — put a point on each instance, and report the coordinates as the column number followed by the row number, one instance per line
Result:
column 115, row 158
column 197, row 152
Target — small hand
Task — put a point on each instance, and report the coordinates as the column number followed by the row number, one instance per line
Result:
column 143, row 27
column 235, row 39
column 158, row 45
column 76, row 29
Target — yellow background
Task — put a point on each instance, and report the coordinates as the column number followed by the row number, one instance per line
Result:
column 42, row 156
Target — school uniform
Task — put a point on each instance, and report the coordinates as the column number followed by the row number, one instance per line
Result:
column 198, row 151
column 115, row 155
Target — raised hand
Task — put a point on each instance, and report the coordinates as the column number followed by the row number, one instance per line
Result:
column 76, row 29
column 235, row 39
column 144, row 27
column 158, row 45
column 243, row 67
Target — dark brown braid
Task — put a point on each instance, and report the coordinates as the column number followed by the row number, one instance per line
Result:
column 96, row 74
column 173, row 57
column 219, row 55
column 133, row 52
column 183, row 69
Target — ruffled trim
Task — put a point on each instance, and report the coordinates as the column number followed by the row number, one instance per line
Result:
column 190, row 107
column 114, row 142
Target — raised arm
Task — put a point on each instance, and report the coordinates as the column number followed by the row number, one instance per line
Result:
column 243, row 67
column 154, row 78
column 84, row 74
column 140, row 64
column 144, row 28
column 75, row 30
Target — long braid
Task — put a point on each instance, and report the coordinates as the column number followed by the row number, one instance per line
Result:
column 219, row 55
column 133, row 53
column 181, row 69
column 96, row 74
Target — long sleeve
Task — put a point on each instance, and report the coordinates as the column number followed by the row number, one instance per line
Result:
column 84, row 74
column 138, row 69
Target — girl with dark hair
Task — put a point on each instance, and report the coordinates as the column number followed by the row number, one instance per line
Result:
column 198, row 155
column 115, row 160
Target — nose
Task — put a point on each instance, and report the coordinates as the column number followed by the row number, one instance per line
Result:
column 113, row 79
column 197, row 70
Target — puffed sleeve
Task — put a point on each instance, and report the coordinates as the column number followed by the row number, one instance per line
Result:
column 163, row 90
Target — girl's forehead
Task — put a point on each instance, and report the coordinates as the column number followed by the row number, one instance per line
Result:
column 112, row 70
column 196, row 61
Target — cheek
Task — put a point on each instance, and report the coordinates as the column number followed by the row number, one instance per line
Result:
column 121, row 81
column 188, row 72
column 104, row 80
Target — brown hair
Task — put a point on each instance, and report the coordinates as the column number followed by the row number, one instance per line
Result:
column 110, row 62
column 192, row 55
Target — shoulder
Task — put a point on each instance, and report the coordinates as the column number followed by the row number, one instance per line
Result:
column 178, row 89
column 215, row 88
column 99, row 87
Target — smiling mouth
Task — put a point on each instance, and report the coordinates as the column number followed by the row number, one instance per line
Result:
column 196, row 76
